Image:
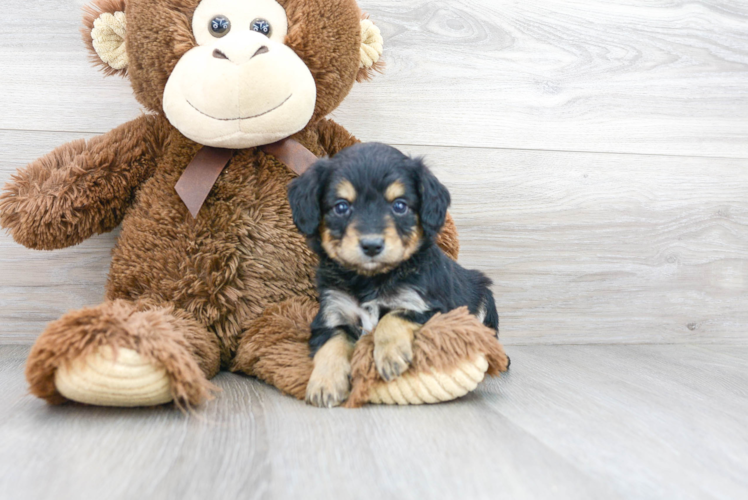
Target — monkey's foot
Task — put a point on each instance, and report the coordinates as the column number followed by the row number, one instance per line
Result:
column 435, row 387
column 108, row 378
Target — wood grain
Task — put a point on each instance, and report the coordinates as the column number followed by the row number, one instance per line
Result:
column 582, row 247
column 519, row 107
column 587, row 248
column 567, row 422
column 659, row 77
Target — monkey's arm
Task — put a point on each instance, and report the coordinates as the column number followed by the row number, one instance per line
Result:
column 333, row 138
column 81, row 188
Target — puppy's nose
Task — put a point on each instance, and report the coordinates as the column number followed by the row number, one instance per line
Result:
column 372, row 246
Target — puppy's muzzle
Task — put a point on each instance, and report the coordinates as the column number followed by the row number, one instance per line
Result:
column 372, row 245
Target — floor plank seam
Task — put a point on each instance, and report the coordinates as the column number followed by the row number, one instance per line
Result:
column 571, row 151
column 449, row 146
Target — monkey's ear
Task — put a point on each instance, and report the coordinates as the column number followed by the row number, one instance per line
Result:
column 372, row 45
column 304, row 195
column 434, row 200
column 104, row 26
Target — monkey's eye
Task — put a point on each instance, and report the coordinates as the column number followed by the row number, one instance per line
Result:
column 400, row 207
column 219, row 26
column 342, row 208
column 261, row 26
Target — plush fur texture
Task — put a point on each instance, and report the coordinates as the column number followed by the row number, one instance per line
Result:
column 242, row 89
column 276, row 350
column 90, row 14
column 186, row 349
column 365, row 74
column 275, row 347
column 444, row 341
column 326, row 34
column 81, row 188
column 232, row 288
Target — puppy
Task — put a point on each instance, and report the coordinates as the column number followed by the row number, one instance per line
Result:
column 372, row 215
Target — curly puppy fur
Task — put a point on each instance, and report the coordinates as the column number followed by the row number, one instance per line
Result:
column 184, row 291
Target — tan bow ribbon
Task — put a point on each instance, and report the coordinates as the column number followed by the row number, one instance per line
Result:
column 194, row 186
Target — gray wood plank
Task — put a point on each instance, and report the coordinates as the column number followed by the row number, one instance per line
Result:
column 659, row 77
column 587, row 248
column 618, row 411
column 583, row 247
column 567, row 422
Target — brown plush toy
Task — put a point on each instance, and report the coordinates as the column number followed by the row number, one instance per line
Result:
column 209, row 272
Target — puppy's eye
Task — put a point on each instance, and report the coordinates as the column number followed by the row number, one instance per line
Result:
column 342, row 208
column 400, row 207
column 261, row 26
column 219, row 26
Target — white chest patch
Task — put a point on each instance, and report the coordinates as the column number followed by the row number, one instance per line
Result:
column 343, row 309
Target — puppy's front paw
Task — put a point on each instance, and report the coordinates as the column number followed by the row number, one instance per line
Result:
column 393, row 345
column 329, row 389
column 330, row 382
column 393, row 357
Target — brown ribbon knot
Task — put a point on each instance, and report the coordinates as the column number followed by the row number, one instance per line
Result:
column 194, row 186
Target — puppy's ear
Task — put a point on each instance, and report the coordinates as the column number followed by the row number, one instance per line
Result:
column 304, row 195
column 434, row 199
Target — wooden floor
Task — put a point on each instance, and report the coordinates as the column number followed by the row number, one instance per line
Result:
column 597, row 155
column 568, row 422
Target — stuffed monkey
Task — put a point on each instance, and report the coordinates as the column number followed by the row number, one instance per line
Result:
column 209, row 272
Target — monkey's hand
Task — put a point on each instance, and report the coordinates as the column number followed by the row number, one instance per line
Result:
column 81, row 188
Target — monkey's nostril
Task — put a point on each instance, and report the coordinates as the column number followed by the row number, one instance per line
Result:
column 261, row 50
column 219, row 55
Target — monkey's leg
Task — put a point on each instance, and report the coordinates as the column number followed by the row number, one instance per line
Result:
column 124, row 354
column 275, row 346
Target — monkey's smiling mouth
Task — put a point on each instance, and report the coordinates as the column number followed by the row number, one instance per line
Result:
column 243, row 117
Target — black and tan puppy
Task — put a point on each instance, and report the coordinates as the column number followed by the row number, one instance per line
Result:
column 372, row 214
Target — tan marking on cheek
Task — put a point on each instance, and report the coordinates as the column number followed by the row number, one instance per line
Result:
column 392, row 240
column 346, row 191
column 349, row 245
column 393, row 246
column 394, row 191
column 329, row 243
column 413, row 242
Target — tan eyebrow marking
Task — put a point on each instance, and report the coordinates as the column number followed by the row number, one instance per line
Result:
column 346, row 191
column 394, row 191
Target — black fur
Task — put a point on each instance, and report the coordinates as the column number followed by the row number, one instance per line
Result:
column 304, row 194
column 441, row 283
